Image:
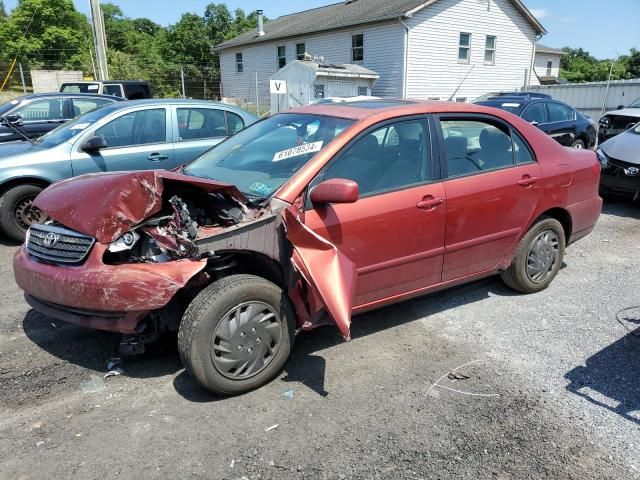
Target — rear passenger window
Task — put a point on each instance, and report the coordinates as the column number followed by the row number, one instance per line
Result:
column 475, row 146
column 521, row 151
column 390, row 158
column 197, row 123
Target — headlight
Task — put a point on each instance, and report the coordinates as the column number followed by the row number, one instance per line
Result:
column 602, row 158
column 125, row 242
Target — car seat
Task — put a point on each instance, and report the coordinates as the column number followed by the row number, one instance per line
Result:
column 495, row 149
column 455, row 148
column 360, row 164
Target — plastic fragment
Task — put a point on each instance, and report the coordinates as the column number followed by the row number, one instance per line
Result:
column 272, row 427
column 93, row 385
column 288, row 393
column 114, row 372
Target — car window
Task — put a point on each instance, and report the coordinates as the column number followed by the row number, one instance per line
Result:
column 195, row 123
column 475, row 146
column 388, row 158
column 521, row 151
column 82, row 106
column 559, row 112
column 115, row 90
column 39, row 110
column 535, row 113
column 234, row 123
column 136, row 128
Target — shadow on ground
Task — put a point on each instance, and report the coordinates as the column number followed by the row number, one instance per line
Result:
column 610, row 377
column 621, row 207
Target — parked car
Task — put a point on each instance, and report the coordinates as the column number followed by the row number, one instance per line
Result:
column 563, row 123
column 620, row 160
column 487, row 96
column 617, row 121
column 134, row 135
column 307, row 218
column 129, row 89
column 39, row 113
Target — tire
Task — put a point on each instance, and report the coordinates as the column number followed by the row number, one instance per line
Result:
column 15, row 211
column 208, row 340
column 518, row 276
column 578, row 144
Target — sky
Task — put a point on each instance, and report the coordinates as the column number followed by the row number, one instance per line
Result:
column 605, row 29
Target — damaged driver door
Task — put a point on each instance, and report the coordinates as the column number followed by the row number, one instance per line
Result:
column 394, row 232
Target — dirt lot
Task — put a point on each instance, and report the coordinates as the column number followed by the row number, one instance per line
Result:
column 558, row 378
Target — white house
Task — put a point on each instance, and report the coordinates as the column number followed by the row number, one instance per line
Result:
column 547, row 64
column 444, row 49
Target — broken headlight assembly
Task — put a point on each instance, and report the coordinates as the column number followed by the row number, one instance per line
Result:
column 125, row 242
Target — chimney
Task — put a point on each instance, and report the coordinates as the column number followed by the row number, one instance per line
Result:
column 260, row 23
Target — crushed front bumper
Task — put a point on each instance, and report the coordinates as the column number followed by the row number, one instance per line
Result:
column 101, row 296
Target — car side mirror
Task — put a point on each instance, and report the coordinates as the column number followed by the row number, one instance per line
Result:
column 534, row 123
column 620, row 107
column 14, row 118
column 94, row 144
column 335, row 190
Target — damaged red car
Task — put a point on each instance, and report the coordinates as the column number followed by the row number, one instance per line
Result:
column 303, row 219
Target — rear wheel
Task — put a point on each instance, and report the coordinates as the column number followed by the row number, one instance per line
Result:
column 17, row 212
column 538, row 257
column 236, row 334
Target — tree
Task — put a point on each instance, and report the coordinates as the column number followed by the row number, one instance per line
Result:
column 577, row 65
column 3, row 11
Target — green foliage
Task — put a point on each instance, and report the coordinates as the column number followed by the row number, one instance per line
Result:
column 577, row 66
column 3, row 11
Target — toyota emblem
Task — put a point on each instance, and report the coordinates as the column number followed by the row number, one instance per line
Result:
column 632, row 171
column 51, row 239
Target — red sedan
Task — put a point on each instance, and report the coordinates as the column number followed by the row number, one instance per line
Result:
column 304, row 219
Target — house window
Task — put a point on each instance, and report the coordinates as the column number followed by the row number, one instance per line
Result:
column 362, row 91
column 464, row 48
column 318, row 91
column 549, row 67
column 357, row 47
column 433, row 98
column 490, row 50
column 282, row 56
column 300, row 50
column 239, row 66
column 461, row 99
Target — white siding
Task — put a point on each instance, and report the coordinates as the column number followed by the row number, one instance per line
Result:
column 434, row 70
column 541, row 64
column 383, row 53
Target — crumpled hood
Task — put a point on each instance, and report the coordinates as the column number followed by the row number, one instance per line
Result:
column 13, row 148
column 626, row 112
column 625, row 147
column 105, row 205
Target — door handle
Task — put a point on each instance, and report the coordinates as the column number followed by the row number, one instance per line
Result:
column 528, row 181
column 429, row 202
column 156, row 157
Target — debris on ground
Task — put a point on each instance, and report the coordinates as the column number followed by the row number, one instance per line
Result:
column 113, row 373
column 272, row 427
column 288, row 393
column 93, row 385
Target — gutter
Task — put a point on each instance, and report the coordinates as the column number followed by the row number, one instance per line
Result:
column 533, row 59
column 406, row 57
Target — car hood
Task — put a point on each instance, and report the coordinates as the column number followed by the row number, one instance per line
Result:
column 105, row 205
column 13, row 148
column 625, row 112
column 625, row 147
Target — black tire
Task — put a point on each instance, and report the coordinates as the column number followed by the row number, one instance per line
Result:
column 578, row 144
column 13, row 224
column 517, row 276
column 198, row 333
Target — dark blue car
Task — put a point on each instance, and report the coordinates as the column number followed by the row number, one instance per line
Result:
column 40, row 113
column 560, row 121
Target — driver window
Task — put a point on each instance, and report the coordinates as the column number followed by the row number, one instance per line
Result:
column 389, row 158
column 136, row 128
column 475, row 146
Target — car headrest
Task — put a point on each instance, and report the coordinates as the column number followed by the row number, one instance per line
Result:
column 409, row 130
column 456, row 147
column 366, row 147
column 494, row 140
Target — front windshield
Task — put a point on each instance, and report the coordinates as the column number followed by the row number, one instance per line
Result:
column 70, row 129
column 635, row 104
column 261, row 158
column 636, row 129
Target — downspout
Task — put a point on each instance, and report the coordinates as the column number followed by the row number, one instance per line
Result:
column 406, row 57
column 533, row 59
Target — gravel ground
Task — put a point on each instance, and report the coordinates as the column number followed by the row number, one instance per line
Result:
column 554, row 377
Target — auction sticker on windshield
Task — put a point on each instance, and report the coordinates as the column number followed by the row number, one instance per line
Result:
column 299, row 150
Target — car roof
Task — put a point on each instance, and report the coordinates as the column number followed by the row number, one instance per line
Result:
column 32, row 96
column 124, row 82
column 171, row 101
column 388, row 108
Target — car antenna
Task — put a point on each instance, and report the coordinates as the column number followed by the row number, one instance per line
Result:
column 19, row 131
column 460, row 84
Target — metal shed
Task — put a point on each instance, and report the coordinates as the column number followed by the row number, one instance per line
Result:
column 308, row 81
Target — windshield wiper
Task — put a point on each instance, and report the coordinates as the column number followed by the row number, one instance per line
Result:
column 17, row 130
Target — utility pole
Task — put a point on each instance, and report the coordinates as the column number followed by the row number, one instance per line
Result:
column 99, row 39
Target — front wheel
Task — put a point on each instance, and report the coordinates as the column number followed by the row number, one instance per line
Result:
column 17, row 212
column 236, row 334
column 579, row 144
column 538, row 257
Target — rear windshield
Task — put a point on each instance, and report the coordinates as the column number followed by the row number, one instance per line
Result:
column 512, row 106
column 80, row 87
